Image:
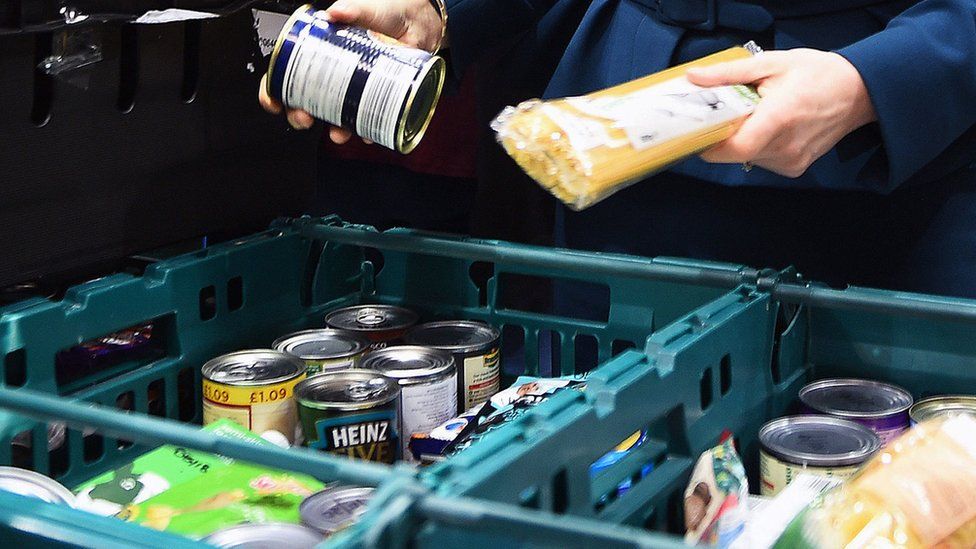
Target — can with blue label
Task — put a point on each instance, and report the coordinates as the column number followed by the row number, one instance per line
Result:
column 369, row 83
column 354, row 413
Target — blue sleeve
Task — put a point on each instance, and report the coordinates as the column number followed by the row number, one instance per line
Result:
column 477, row 26
column 920, row 72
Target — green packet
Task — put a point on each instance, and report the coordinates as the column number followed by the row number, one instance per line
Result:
column 239, row 493
column 156, row 472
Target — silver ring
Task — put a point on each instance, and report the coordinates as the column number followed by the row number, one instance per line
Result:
column 747, row 166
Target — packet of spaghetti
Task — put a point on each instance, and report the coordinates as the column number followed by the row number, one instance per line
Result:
column 716, row 500
column 583, row 149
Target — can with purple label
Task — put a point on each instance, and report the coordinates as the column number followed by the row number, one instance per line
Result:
column 374, row 85
column 881, row 407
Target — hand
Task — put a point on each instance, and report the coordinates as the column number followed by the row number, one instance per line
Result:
column 413, row 22
column 811, row 99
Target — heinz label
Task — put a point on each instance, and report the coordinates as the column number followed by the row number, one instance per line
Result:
column 370, row 436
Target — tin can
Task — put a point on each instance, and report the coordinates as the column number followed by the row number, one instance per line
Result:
column 35, row 485
column 942, row 406
column 382, row 325
column 815, row 445
column 354, row 413
column 476, row 352
column 324, row 349
column 428, row 387
column 333, row 509
column 881, row 407
column 347, row 76
column 254, row 389
column 269, row 535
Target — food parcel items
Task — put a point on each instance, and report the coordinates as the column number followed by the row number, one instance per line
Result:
column 716, row 500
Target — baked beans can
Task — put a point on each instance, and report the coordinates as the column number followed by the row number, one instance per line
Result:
column 354, row 413
column 374, row 85
column 34, row 485
column 274, row 535
column 942, row 406
column 382, row 325
column 475, row 346
column 428, row 387
column 334, row 509
column 816, row 445
column 881, row 407
column 255, row 389
column 324, row 350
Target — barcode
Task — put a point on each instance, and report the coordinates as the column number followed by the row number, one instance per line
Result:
column 816, row 484
column 383, row 96
column 323, row 73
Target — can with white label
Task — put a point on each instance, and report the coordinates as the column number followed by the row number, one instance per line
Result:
column 428, row 387
column 324, row 350
column 372, row 84
column 475, row 346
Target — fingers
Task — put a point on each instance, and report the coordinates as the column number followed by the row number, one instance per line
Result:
column 339, row 136
column 300, row 120
column 742, row 71
column 266, row 102
column 751, row 141
column 351, row 13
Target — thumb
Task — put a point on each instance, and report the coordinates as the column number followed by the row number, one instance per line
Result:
column 742, row 71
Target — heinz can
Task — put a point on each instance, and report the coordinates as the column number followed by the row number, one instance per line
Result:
column 354, row 413
column 254, row 389
column 380, row 324
column 428, row 387
column 476, row 352
column 334, row 509
column 274, row 535
column 881, row 407
column 34, row 485
column 815, row 445
column 942, row 406
column 323, row 350
column 347, row 76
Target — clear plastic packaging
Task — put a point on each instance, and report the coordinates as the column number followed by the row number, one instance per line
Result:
column 583, row 149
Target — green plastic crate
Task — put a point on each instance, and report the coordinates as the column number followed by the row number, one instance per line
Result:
column 721, row 347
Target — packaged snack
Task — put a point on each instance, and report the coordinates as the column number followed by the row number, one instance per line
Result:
column 155, row 472
column 717, row 497
column 918, row 492
column 583, row 149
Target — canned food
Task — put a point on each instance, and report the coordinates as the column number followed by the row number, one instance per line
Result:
column 428, row 387
column 324, row 349
column 367, row 82
column 35, row 485
column 335, row 508
column 380, row 324
column 815, row 445
column 476, row 352
column 942, row 406
column 354, row 413
column 272, row 535
column 254, row 389
column 881, row 407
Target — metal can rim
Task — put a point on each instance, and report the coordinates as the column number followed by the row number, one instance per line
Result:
column 304, row 385
column 273, row 60
column 334, row 493
column 920, row 408
column 438, row 373
column 210, row 366
column 405, row 145
column 902, row 408
column 472, row 349
column 281, row 344
column 855, row 457
column 414, row 317
column 246, row 533
column 51, row 487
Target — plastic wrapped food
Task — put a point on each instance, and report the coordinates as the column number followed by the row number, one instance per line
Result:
column 716, row 498
column 918, row 492
column 583, row 149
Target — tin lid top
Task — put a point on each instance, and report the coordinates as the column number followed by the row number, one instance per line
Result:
column 265, row 536
column 454, row 335
column 322, row 344
column 253, row 367
column 942, row 406
column 347, row 389
column 818, row 441
column 336, row 508
column 35, row 485
column 368, row 318
column 855, row 398
column 410, row 362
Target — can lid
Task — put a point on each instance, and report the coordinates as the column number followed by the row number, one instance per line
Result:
column 367, row 318
column 336, row 508
column 253, row 367
column 454, row 335
column 855, row 398
column 345, row 389
column 321, row 344
column 272, row 535
column 945, row 405
column 31, row 484
column 410, row 362
column 818, row 441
